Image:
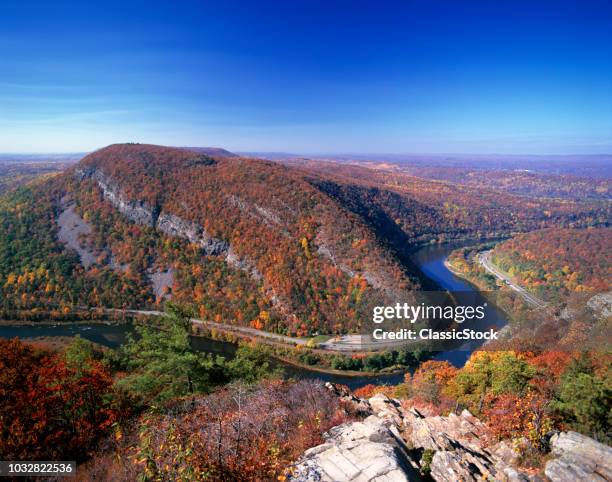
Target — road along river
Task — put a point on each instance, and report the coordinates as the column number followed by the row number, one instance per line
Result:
column 430, row 260
column 484, row 259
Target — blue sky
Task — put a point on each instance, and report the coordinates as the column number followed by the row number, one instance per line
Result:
column 413, row 76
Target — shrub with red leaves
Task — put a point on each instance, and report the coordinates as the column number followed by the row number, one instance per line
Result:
column 48, row 409
column 239, row 433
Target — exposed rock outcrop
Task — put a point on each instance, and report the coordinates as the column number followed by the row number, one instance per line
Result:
column 161, row 282
column 357, row 451
column 601, row 304
column 461, row 464
column 578, row 458
column 391, row 444
column 137, row 211
column 71, row 228
column 445, row 433
column 461, row 445
column 361, row 407
column 234, row 260
column 386, row 408
column 453, row 448
column 174, row 226
column 142, row 213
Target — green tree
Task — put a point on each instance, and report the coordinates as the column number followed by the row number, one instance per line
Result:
column 510, row 374
column 491, row 373
column 162, row 364
column 584, row 399
column 80, row 354
column 251, row 364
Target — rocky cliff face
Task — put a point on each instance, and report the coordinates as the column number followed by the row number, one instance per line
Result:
column 174, row 226
column 136, row 211
column 395, row 444
column 360, row 451
column 142, row 213
column 578, row 458
column 601, row 305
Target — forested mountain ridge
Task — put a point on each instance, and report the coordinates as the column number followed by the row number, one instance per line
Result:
column 452, row 210
column 276, row 260
column 535, row 177
column 246, row 241
column 556, row 263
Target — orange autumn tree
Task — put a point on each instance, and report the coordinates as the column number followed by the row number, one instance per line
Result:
column 369, row 390
column 431, row 379
column 510, row 415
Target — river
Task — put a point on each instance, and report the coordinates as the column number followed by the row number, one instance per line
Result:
column 430, row 260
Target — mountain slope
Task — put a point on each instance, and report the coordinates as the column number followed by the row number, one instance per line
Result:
column 248, row 241
column 427, row 210
column 212, row 151
column 244, row 241
column 555, row 263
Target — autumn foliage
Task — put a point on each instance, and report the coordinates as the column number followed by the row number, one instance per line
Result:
column 558, row 262
column 51, row 410
column 430, row 380
column 317, row 244
column 520, row 394
column 423, row 210
column 238, row 433
column 510, row 415
column 370, row 390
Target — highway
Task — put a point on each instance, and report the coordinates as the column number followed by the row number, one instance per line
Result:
column 244, row 330
column 338, row 344
column 484, row 259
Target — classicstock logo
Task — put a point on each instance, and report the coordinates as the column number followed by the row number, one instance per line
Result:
column 436, row 321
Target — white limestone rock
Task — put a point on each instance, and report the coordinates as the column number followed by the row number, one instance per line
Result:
column 578, row 458
column 358, row 451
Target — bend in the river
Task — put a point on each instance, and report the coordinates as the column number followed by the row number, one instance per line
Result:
column 429, row 260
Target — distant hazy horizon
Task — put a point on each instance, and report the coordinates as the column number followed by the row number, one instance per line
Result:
column 340, row 154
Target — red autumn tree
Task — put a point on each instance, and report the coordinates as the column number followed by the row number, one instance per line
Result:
column 51, row 410
column 510, row 416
